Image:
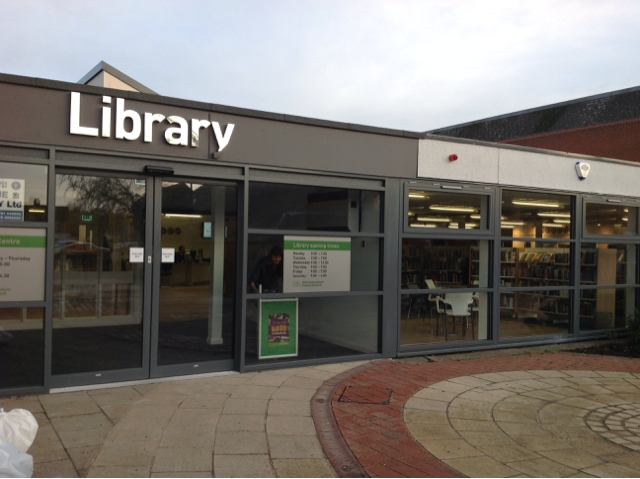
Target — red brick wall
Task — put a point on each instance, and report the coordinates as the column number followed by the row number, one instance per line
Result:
column 619, row 140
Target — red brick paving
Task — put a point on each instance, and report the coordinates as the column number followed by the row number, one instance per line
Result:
column 379, row 444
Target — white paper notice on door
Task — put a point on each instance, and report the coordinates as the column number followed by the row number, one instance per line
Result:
column 136, row 255
column 168, row 255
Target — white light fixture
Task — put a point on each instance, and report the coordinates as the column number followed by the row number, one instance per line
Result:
column 423, row 225
column 178, row 215
column 551, row 214
column 535, row 203
column 513, row 223
column 453, row 226
column 471, row 225
column 552, row 225
column 413, row 194
column 561, row 221
column 507, row 227
column 475, row 217
column 433, row 219
column 457, row 209
column 623, row 219
column 36, row 210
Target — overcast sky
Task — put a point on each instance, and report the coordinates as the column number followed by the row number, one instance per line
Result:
column 413, row 65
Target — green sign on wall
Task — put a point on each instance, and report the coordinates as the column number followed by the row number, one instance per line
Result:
column 278, row 328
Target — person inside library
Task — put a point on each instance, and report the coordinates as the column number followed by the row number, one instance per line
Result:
column 180, row 255
column 267, row 274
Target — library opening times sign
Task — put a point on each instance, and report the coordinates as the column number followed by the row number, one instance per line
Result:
column 316, row 263
column 22, row 262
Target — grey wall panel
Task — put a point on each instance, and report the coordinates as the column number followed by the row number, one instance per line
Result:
column 41, row 116
column 513, row 166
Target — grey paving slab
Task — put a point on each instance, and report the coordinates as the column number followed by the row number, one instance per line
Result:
column 232, row 442
column 256, row 465
column 280, row 407
column 204, row 401
column 303, row 468
column 82, row 457
column 611, row 469
column 121, row 453
column 119, row 471
column 295, row 447
column 84, row 437
column 188, row 437
column 241, row 422
column 182, row 459
column 290, row 426
column 62, row 468
column 245, row 406
column 542, row 467
column 481, row 466
column 289, row 393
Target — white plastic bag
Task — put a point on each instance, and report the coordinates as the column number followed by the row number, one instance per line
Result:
column 19, row 428
column 14, row 463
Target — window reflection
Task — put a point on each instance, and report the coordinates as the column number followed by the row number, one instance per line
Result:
column 608, row 264
column 606, row 308
column 534, row 313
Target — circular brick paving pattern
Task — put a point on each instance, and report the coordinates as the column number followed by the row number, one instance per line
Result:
column 537, row 422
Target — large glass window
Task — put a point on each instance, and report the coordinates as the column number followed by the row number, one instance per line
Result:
column 611, row 219
column 606, row 308
column 23, row 192
column 527, row 214
column 608, row 264
column 431, row 263
column 313, row 208
column 445, row 210
column 534, row 313
column 314, row 290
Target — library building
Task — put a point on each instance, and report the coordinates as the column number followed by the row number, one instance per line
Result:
column 146, row 237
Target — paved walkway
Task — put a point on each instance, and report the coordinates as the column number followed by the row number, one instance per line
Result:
column 532, row 414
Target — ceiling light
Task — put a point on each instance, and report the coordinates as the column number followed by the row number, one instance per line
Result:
column 433, row 219
column 551, row 214
column 507, row 227
column 36, row 210
column 475, row 217
column 423, row 225
column 178, row 215
column 458, row 209
column 413, row 194
column 552, row 225
column 513, row 223
column 564, row 222
column 453, row 226
column 535, row 203
column 623, row 219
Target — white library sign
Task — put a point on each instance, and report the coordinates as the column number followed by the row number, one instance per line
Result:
column 316, row 263
column 22, row 261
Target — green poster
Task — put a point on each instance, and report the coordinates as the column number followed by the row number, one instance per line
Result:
column 278, row 328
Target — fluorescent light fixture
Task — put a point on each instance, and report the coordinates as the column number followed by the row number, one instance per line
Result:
column 626, row 210
column 453, row 226
column 551, row 214
column 433, row 219
column 623, row 219
column 475, row 217
column 507, row 227
column 414, row 194
column 457, row 209
column 35, row 210
column 471, row 225
column 552, row 225
column 513, row 223
column 561, row 221
column 178, row 215
column 535, row 203
column 423, row 225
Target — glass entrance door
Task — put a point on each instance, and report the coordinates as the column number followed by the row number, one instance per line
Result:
column 195, row 304
column 101, row 276
column 144, row 278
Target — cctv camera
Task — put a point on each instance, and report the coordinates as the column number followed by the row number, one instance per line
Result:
column 583, row 170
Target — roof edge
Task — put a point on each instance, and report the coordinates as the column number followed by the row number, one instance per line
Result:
column 536, row 109
column 116, row 73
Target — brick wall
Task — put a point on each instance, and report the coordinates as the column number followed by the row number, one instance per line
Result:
column 619, row 140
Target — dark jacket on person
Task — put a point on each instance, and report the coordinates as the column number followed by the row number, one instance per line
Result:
column 267, row 274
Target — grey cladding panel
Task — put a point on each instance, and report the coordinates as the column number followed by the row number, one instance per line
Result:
column 41, row 116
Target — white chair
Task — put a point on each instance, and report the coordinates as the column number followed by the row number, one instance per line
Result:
column 456, row 305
